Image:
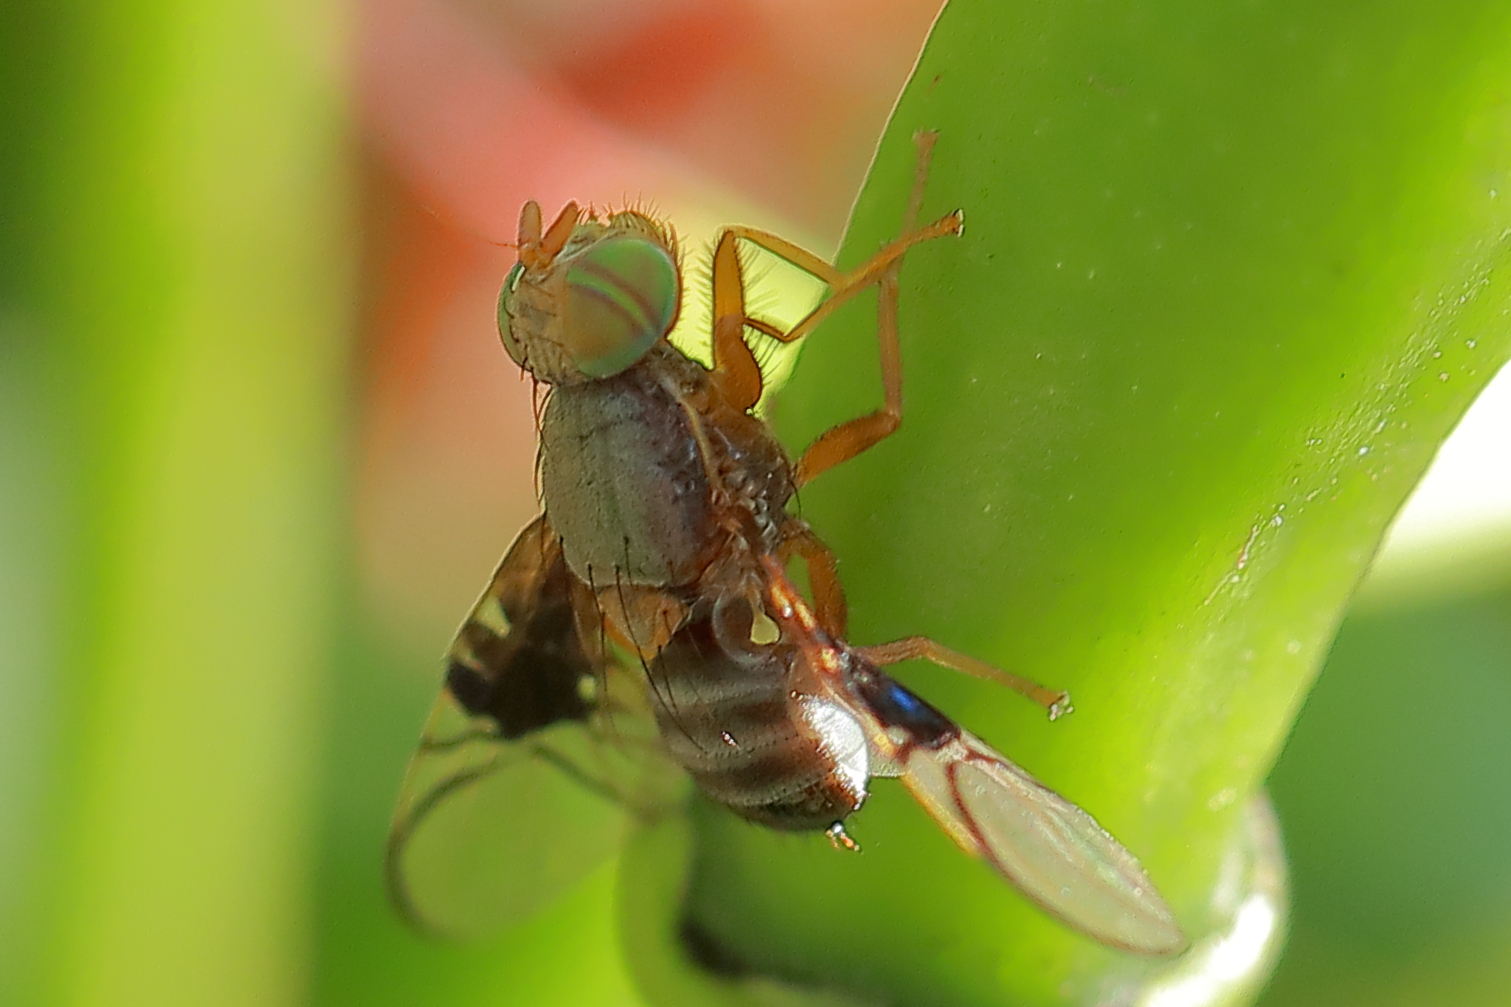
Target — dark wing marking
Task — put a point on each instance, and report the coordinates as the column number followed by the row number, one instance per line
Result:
column 1044, row 845
column 1047, row 847
column 535, row 756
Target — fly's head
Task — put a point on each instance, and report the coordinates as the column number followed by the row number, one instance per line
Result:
column 588, row 297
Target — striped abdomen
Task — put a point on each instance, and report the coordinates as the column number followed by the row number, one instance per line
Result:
column 729, row 717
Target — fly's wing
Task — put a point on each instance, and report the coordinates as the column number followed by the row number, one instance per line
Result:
column 535, row 756
column 1049, row 849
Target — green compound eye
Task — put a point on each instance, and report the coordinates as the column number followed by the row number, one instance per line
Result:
column 512, row 280
column 622, row 296
column 505, row 310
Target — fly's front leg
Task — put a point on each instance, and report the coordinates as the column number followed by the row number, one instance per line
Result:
column 845, row 441
column 734, row 362
column 735, row 366
column 736, row 372
column 910, row 648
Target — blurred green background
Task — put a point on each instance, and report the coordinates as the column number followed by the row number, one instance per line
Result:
column 258, row 447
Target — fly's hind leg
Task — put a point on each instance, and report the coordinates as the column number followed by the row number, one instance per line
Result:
column 1056, row 701
column 829, row 605
column 735, row 369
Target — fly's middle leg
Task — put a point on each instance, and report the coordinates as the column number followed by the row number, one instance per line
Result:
column 829, row 605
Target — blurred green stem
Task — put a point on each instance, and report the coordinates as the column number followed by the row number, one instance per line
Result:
column 190, row 293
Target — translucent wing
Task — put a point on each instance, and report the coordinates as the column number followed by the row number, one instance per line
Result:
column 1049, row 849
column 534, row 757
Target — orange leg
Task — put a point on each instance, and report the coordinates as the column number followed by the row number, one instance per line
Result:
column 848, row 439
column 736, row 370
column 910, row 648
column 736, row 373
column 845, row 441
column 829, row 605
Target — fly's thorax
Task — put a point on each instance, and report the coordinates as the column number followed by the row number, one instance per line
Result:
column 754, row 476
column 610, row 294
column 624, row 481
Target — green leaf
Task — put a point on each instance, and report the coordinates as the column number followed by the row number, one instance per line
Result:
column 1230, row 274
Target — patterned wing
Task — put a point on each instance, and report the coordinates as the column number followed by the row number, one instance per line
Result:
column 535, row 756
column 1047, row 847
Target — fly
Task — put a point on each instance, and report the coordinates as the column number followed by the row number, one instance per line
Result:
column 644, row 623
